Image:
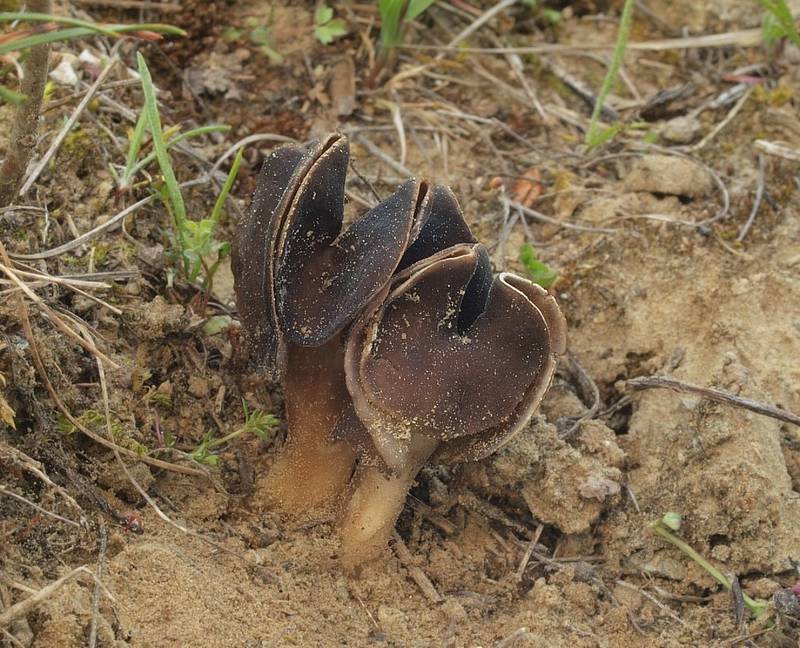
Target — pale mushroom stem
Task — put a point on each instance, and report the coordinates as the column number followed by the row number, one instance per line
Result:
column 376, row 502
column 311, row 468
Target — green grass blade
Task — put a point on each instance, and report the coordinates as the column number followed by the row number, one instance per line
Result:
column 154, row 122
column 7, row 94
column 195, row 132
column 226, row 188
column 783, row 15
column 417, row 7
column 71, row 33
column 108, row 29
column 10, row 16
column 133, row 149
column 592, row 137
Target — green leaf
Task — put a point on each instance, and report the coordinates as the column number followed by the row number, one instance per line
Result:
column 538, row 272
column 323, row 14
column 216, row 324
column 417, row 7
column 131, row 171
column 154, row 122
column 133, row 148
column 232, row 34
column 592, row 137
column 596, row 138
column 778, row 22
column 7, row 94
column 393, row 19
column 273, row 55
column 260, row 36
column 226, row 188
column 650, row 137
column 672, row 520
column 553, row 16
column 329, row 32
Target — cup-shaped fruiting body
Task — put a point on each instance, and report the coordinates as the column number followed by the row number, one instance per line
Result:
column 448, row 361
column 301, row 279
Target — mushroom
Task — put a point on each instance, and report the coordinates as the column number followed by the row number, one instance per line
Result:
column 300, row 279
column 447, row 362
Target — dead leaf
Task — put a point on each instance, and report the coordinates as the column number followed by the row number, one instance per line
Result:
column 342, row 87
column 528, row 187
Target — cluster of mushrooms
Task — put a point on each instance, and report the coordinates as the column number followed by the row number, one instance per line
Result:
column 395, row 342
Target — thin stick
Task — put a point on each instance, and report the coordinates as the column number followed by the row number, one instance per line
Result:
column 742, row 38
column 757, row 202
column 480, row 21
column 12, row 638
column 378, row 153
column 67, row 127
column 53, row 317
column 586, row 384
column 23, row 608
column 529, row 551
column 718, row 395
column 779, row 150
column 101, row 561
column 10, row 493
column 653, row 599
column 417, row 575
column 24, row 123
column 549, row 219
column 34, row 467
column 728, row 119
column 108, row 225
column 250, row 139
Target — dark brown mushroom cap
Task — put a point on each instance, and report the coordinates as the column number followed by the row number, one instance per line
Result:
column 451, row 353
column 477, row 447
column 251, row 260
column 439, row 225
column 298, row 276
column 324, row 276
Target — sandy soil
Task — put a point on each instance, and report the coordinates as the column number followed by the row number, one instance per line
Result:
column 549, row 541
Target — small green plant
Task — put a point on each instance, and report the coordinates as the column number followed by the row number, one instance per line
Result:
column 327, row 28
column 670, row 522
column 256, row 422
column 97, row 420
column 595, row 136
column 550, row 16
column 538, row 271
column 133, row 165
column 778, row 23
column 194, row 246
column 257, row 34
column 395, row 15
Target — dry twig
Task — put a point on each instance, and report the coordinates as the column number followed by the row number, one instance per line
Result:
column 101, row 561
column 778, row 150
column 757, row 201
column 417, row 575
column 7, row 491
column 529, row 551
column 25, row 121
column 718, row 395
column 27, row 606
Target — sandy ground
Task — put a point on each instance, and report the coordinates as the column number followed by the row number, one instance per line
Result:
column 646, row 291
